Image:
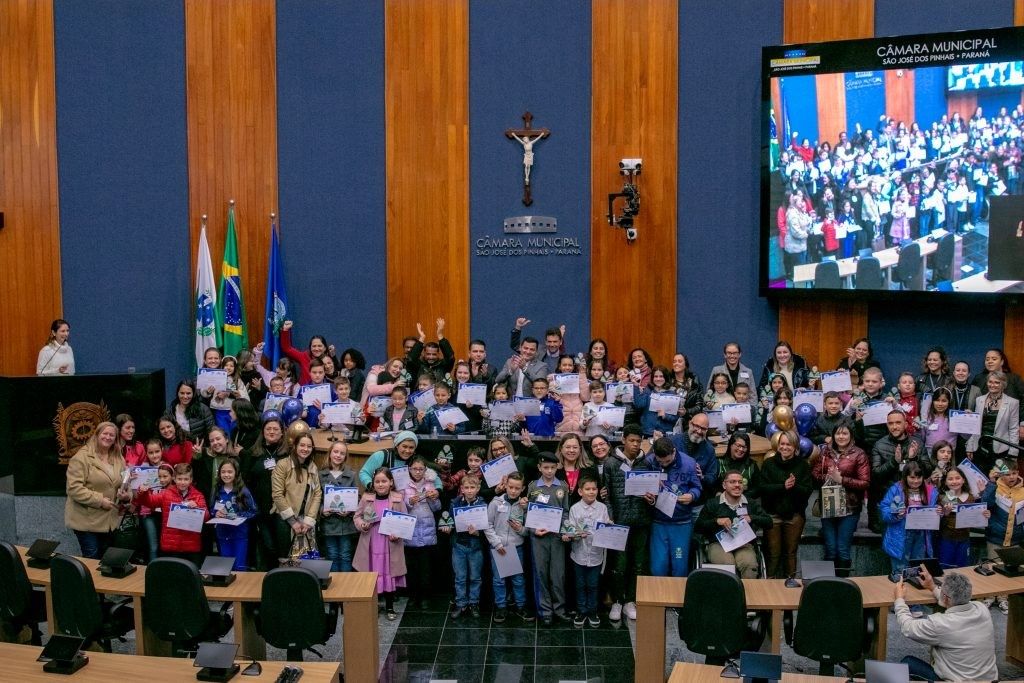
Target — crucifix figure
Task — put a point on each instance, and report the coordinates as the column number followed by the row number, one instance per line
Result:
column 527, row 137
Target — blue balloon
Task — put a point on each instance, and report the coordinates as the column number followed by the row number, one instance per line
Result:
column 291, row 410
column 806, row 446
column 272, row 415
column 770, row 429
column 805, row 416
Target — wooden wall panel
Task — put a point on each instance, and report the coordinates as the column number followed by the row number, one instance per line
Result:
column 963, row 102
column 821, row 331
column 636, row 51
column 831, row 106
column 231, row 92
column 30, row 293
column 899, row 95
column 1013, row 323
column 426, row 93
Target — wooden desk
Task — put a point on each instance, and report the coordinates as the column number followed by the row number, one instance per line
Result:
column 655, row 594
column 19, row 664
column 686, row 672
column 978, row 283
column 357, row 591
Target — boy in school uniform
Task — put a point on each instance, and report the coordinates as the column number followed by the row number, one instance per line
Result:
column 550, row 411
column 311, row 414
column 343, row 393
column 546, row 544
column 583, row 518
column 506, row 514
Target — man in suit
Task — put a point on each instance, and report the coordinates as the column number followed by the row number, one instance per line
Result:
column 521, row 369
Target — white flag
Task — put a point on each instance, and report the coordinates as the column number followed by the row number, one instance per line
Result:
column 205, row 300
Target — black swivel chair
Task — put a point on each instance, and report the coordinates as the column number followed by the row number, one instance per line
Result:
column 79, row 611
column 942, row 260
column 831, row 625
column 714, row 621
column 869, row 273
column 908, row 268
column 291, row 614
column 20, row 604
column 826, row 276
column 175, row 606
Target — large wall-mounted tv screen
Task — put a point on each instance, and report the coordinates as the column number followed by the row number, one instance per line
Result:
column 893, row 166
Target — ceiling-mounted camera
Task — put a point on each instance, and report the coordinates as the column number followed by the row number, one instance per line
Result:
column 631, row 166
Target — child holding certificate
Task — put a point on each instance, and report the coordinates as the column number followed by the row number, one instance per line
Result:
column 902, row 544
column 399, row 415
column 467, row 552
column 221, row 402
column 461, row 374
column 506, row 535
column 431, row 421
column 232, row 501
column 176, row 542
column 474, row 459
column 546, row 545
column 592, row 422
column 311, row 413
column 337, row 527
column 150, row 517
column 423, row 501
column 375, row 552
column 657, row 421
column 583, row 519
column 550, row 411
column 954, row 544
column 495, row 426
column 572, row 404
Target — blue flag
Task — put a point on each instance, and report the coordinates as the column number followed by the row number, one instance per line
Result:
column 277, row 302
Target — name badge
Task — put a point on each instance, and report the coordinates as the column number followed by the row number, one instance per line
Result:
column 502, row 507
column 625, row 468
column 269, row 464
column 933, row 427
column 543, row 498
column 219, row 505
column 741, row 510
column 744, row 374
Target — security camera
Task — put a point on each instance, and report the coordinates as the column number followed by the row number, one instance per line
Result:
column 630, row 166
column 631, row 234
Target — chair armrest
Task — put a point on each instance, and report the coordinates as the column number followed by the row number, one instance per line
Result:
column 788, row 621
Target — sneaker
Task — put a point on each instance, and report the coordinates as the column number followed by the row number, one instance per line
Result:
column 1004, row 604
column 524, row 614
column 563, row 617
column 455, row 613
column 629, row 609
column 594, row 621
column 391, row 615
column 499, row 615
column 579, row 621
column 547, row 621
column 616, row 612
column 474, row 611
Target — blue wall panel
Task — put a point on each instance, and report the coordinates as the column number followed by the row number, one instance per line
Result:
column 330, row 117
column 900, row 17
column 865, row 99
column 800, row 94
column 529, row 55
column 123, row 183
column 719, row 190
column 929, row 95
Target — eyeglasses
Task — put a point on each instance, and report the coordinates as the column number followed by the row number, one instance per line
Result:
column 699, row 428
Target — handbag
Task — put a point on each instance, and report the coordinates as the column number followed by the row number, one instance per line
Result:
column 831, row 500
column 304, row 545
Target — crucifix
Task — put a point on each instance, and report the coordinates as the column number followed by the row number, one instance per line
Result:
column 527, row 137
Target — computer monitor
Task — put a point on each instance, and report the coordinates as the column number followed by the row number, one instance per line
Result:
column 760, row 667
column 322, row 569
column 885, row 672
column 813, row 569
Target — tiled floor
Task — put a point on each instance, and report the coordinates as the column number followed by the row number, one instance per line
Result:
column 429, row 645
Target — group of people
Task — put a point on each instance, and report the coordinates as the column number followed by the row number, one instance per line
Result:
column 894, row 182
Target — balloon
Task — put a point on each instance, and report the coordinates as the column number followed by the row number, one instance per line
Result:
column 297, row 429
column 291, row 410
column 272, row 415
column 771, row 429
column 776, row 437
column 806, row 446
column 783, row 416
column 805, row 414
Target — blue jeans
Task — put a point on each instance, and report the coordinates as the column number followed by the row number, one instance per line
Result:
column 93, row 544
column 920, row 670
column 670, row 549
column 151, row 527
column 339, row 549
column 587, row 579
column 518, row 583
column 838, row 536
column 468, row 564
column 236, row 546
column 914, row 548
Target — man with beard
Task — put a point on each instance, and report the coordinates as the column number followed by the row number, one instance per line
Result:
column 696, row 445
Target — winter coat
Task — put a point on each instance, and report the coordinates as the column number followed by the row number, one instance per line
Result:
column 396, row 549
column 884, row 468
column 175, row 540
column 88, row 483
column 894, row 538
column 425, row 532
column 775, row 497
column 854, row 470
column 681, row 475
column 501, row 534
column 1000, row 500
column 799, row 373
column 288, row 493
column 626, row 510
column 337, row 525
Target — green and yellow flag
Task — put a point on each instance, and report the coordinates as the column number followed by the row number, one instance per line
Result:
column 230, row 305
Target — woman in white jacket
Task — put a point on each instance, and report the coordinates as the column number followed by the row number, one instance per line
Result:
column 56, row 358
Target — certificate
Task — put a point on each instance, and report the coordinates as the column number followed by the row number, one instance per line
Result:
column 666, row 503
column 186, row 518
column 423, row 400
column 502, row 410
column 566, row 383
column 976, row 479
column 923, row 518
column 971, row 516
column 144, row 476
column 471, row 516
column 227, row 521
column 508, row 564
column 876, row 413
column 666, row 401
column 316, row 392
column 340, row 498
column 611, row 536
column 964, row 422
column 339, row 413
column 498, row 468
column 813, row 398
column 543, row 517
column 210, row 378
column 641, row 483
column 378, row 404
column 401, row 477
column 715, row 419
column 738, row 536
column 619, row 391
column 473, row 394
column 274, row 401
column 450, row 415
column 736, row 412
column 837, row 381
column 396, row 524
column 613, row 416
column 528, row 407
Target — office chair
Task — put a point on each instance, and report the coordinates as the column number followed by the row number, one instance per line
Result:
column 20, row 605
column 291, row 613
column 826, row 276
column 78, row 610
column 869, row 274
column 942, row 261
column 831, row 625
column 175, row 606
column 713, row 620
column 908, row 268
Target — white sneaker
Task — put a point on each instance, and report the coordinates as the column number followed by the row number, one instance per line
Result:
column 629, row 609
column 615, row 613
column 1004, row 604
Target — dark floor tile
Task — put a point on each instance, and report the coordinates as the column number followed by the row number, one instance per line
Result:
column 610, row 674
column 609, row 656
column 560, row 637
column 508, row 673
column 555, row 674
column 462, row 656
column 560, row 656
column 404, row 636
column 512, row 637
column 418, row 619
column 461, row 673
column 413, row 654
column 510, row 655
column 607, row 638
column 465, row 637
column 406, row 673
column 467, row 621
column 440, row 603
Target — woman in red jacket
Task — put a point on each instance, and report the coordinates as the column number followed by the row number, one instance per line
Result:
column 841, row 462
column 317, row 349
column 174, row 541
column 177, row 447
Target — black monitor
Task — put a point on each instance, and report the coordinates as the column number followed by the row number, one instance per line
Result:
column 322, row 569
column 116, row 563
column 41, row 552
column 760, row 667
column 217, row 661
column 1013, row 561
column 63, row 655
column 885, row 672
column 216, row 570
column 813, row 569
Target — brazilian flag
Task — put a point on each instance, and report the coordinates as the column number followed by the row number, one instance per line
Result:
column 230, row 305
